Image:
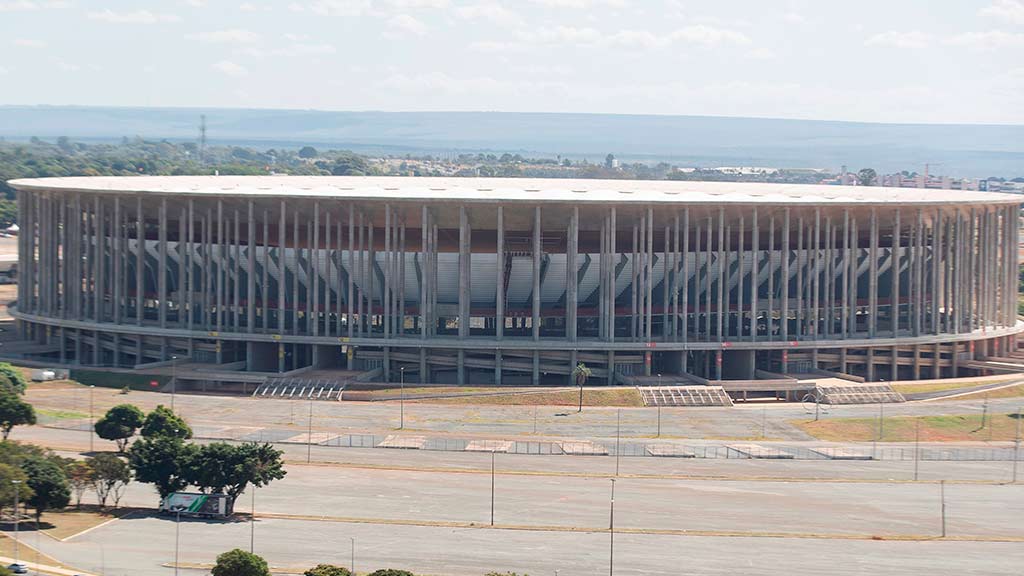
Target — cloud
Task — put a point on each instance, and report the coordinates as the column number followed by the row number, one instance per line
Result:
column 495, row 47
column 912, row 39
column 250, row 7
column 28, row 43
column 196, row 3
column 334, row 7
column 794, row 17
column 1007, row 10
column 231, row 69
column 761, row 54
column 4, row 71
column 989, row 40
column 228, row 36
column 18, row 6
column 66, row 66
column 699, row 34
column 408, row 24
column 491, row 12
column 579, row 4
column 416, row 4
column 135, row 17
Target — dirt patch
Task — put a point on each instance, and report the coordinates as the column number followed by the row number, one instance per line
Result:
column 954, row 428
column 71, row 521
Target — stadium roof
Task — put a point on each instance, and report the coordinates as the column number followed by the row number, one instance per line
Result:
column 513, row 190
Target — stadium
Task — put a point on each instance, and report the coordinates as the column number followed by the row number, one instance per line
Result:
column 515, row 281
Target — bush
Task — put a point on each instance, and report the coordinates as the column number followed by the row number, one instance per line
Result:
column 240, row 563
column 327, row 570
column 10, row 377
column 119, row 424
column 391, row 572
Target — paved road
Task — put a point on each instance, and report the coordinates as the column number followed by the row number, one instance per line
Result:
column 140, row 546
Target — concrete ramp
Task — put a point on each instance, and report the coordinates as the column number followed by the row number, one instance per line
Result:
column 850, row 393
column 684, row 396
column 760, row 452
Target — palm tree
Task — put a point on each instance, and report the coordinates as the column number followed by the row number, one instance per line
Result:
column 580, row 374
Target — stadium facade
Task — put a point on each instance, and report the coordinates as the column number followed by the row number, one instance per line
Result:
column 515, row 281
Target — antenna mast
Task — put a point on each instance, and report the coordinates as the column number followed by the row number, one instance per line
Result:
column 202, row 139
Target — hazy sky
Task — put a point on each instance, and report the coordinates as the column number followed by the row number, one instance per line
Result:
column 871, row 60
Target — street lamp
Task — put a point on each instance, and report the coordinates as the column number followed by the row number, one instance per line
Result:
column 174, row 379
column 92, row 429
column 177, row 532
column 401, row 424
column 352, row 557
column 17, row 517
column 611, row 533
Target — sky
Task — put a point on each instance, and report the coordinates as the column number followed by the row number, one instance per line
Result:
column 917, row 61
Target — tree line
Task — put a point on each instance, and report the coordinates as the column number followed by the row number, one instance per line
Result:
column 238, row 562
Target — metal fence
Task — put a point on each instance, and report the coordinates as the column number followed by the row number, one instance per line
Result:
column 602, row 447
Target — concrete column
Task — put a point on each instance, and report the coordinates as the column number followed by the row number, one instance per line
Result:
column 770, row 314
column 784, row 329
column 572, row 274
column 755, row 274
column 634, row 280
column 722, row 305
column 250, row 275
column 873, row 276
column 350, row 319
column 236, row 257
column 296, row 282
column 649, row 277
column 612, row 275
column 464, row 273
column 536, row 282
column 685, row 304
column 386, row 300
column 282, row 283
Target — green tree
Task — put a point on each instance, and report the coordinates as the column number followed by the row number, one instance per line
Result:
column 49, row 484
column 580, row 374
column 240, row 563
column 110, row 477
column 867, row 177
column 163, row 461
column 327, row 570
column 10, row 474
column 222, row 468
column 390, row 572
column 119, row 424
column 10, row 376
column 308, row 152
column 80, row 477
column 163, row 422
column 14, row 412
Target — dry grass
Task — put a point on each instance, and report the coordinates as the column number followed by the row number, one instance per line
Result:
column 1008, row 392
column 71, row 521
column 955, row 428
column 912, row 388
column 621, row 397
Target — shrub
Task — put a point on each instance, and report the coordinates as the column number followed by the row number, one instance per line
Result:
column 327, row 570
column 240, row 563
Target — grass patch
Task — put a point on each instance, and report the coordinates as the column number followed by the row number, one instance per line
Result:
column 913, row 388
column 49, row 414
column 623, row 397
column 1008, row 392
column 952, row 428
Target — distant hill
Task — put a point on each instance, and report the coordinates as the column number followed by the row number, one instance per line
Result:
column 953, row 149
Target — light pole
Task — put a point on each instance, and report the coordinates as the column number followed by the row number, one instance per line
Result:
column 1016, row 447
column 177, row 533
column 92, row 423
column 618, row 434
column 611, row 533
column 252, row 523
column 17, row 518
column 401, row 423
column 309, row 433
column 352, row 556
column 174, row 379
column 659, row 409
column 492, row 487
